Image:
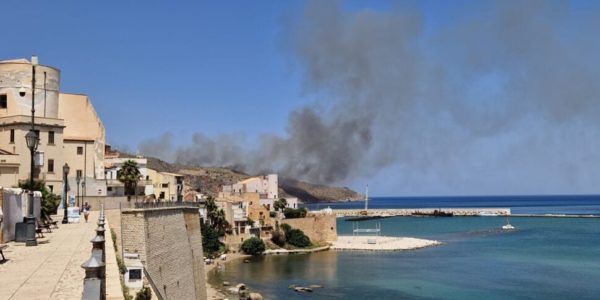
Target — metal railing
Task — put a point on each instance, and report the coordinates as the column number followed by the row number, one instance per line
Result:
column 94, row 283
column 160, row 204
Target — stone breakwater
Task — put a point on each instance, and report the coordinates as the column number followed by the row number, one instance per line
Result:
column 381, row 243
column 410, row 211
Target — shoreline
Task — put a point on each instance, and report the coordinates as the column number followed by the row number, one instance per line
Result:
column 213, row 291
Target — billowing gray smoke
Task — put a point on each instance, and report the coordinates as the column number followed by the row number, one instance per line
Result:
column 509, row 94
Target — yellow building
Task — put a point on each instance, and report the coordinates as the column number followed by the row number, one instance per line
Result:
column 69, row 129
column 167, row 186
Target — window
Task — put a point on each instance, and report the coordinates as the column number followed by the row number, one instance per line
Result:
column 51, row 188
column 50, row 165
column 12, row 136
column 79, row 150
column 135, row 274
column 109, row 188
column 50, row 137
column 165, row 185
column 3, row 101
column 79, row 173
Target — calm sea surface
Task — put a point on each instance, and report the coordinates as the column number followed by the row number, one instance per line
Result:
column 545, row 258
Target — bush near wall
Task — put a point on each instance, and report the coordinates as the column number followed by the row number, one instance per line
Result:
column 293, row 213
column 291, row 236
column 253, row 246
column 297, row 238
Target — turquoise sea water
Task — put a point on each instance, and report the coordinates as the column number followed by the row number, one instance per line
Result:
column 545, row 258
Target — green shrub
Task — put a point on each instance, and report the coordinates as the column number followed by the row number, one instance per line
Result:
column 253, row 246
column 293, row 213
column 286, row 228
column 297, row 238
column 144, row 294
column 121, row 265
column 49, row 201
column 278, row 238
column 113, row 236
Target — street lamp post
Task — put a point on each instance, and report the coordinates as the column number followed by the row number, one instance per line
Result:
column 78, row 180
column 82, row 193
column 32, row 143
column 65, row 183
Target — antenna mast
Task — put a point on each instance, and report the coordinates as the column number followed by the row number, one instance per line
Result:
column 367, row 197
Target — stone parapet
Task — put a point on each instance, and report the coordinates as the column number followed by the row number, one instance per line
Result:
column 169, row 242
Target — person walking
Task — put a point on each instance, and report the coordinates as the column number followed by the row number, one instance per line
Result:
column 86, row 211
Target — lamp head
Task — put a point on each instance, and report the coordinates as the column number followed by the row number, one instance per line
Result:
column 22, row 92
column 66, row 169
column 32, row 140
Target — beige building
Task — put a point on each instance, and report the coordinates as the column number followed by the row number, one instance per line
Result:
column 167, row 185
column 114, row 187
column 69, row 129
column 266, row 186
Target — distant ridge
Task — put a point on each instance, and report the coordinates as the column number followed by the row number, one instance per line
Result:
column 208, row 180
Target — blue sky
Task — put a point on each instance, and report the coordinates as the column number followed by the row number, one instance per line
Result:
column 224, row 67
column 154, row 66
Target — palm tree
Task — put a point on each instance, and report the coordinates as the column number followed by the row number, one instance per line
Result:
column 216, row 216
column 129, row 175
column 211, row 209
column 220, row 222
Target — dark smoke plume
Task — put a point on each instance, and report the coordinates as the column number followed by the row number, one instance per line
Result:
column 466, row 104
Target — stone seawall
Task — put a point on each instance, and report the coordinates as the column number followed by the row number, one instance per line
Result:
column 170, row 246
column 410, row 211
column 319, row 228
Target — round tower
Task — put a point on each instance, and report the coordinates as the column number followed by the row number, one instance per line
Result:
column 16, row 91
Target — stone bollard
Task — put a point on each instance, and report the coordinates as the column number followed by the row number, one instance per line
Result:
column 93, row 284
column 101, row 223
column 98, row 242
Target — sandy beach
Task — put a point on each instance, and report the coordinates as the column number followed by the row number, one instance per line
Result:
column 212, row 292
column 380, row 243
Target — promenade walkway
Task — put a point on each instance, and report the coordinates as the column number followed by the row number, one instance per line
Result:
column 52, row 270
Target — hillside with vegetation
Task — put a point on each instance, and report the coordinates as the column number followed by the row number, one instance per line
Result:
column 208, row 180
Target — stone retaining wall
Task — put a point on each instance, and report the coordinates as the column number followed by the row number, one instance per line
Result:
column 169, row 242
column 319, row 228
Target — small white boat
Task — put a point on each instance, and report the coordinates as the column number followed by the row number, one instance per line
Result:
column 508, row 226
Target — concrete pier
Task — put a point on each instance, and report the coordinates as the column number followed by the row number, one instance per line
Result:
column 384, row 212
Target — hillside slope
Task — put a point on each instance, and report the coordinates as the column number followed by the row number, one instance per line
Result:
column 208, row 180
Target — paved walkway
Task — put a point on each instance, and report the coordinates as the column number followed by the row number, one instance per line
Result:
column 51, row 270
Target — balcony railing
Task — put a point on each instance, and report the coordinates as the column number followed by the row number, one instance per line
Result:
column 160, row 204
column 115, row 182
